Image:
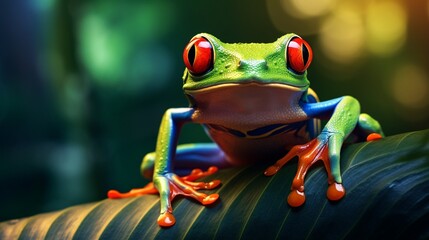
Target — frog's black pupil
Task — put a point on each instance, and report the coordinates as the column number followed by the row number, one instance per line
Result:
column 304, row 54
column 191, row 55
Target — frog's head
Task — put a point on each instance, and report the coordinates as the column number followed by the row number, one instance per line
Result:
column 212, row 66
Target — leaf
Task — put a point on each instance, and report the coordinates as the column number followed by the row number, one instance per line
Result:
column 387, row 184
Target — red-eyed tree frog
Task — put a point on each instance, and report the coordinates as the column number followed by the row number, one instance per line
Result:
column 255, row 103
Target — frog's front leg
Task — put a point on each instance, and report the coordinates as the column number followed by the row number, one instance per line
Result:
column 345, row 115
column 165, row 182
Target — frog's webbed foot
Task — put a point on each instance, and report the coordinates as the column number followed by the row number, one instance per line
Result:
column 172, row 185
column 326, row 148
column 169, row 186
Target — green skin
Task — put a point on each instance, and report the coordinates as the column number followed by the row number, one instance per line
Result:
column 250, row 87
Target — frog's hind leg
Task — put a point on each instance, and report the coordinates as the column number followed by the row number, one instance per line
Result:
column 367, row 129
column 369, row 125
column 188, row 157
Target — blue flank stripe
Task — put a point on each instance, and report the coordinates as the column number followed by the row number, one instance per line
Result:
column 236, row 133
column 274, row 129
column 263, row 130
column 289, row 127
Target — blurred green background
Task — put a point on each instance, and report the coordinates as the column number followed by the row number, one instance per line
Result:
column 83, row 84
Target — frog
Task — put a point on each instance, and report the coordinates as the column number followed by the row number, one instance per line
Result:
column 255, row 103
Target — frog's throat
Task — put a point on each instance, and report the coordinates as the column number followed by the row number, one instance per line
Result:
column 247, row 106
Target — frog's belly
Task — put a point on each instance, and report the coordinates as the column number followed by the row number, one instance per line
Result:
column 265, row 144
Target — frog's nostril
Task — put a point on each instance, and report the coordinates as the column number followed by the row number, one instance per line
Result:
column 253, row 64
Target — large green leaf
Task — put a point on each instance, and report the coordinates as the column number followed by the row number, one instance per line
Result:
column 387, row 185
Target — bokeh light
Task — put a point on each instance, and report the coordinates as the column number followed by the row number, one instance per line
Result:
column 287, row 16
column 342, row 35
column 307, row 9
column 347, row 29
column 386, row 23
column 103, row 50
column 410, row 87
column 108, row 38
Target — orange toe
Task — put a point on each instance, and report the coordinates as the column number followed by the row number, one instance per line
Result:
column 296, row 198
column 373, row 137
column 113, row 194
column 166, row 220
column 210, row 199
column 335, row 192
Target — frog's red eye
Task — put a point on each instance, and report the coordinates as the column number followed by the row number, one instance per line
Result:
column 198, row 56
column 299, row 55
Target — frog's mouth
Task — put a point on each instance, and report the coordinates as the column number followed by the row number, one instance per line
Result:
column 246, row 101
column 252, row 93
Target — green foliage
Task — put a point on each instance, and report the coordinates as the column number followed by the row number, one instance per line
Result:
column 387, row 185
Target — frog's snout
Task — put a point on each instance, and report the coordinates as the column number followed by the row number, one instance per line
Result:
column 253, row 64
